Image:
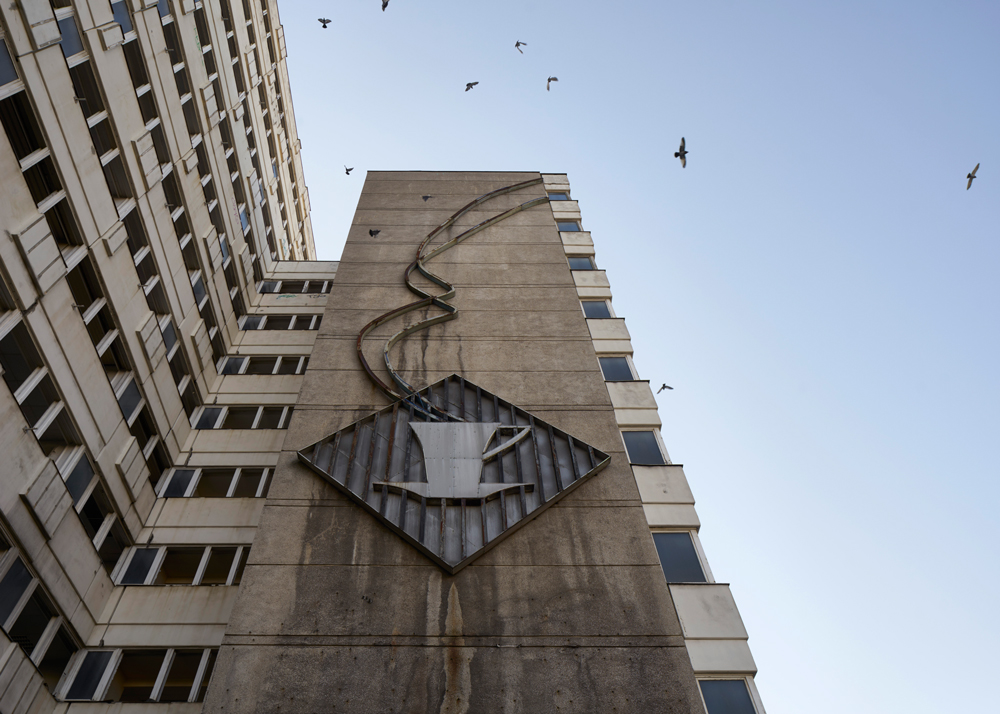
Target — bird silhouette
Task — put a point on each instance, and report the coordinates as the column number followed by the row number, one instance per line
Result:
column 373, row 232
column 682, row 154
column 470, row 85
column 325, row 22
column 348, row 170
column 426, row 197
column 662, row 388
column 385, row 4
column 971, row 177
column 517, row 46
column 549, row 83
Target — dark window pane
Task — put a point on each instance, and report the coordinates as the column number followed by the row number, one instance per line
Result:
column 136, row 675
column 32, row 621
column 616, row 369
column 12, row 587
column 209, row 668
column 242, row 566
column 726, row 696
column 268, row 286
column 270, row 418
column 220, row 562
column 252, row 322
column 278, row 322
column 113, row 546
column 56, row 658
column 240, row 418
column 557, row 196
column 209, row 415
column 138, row 567
column 120, row 12
column 169, row 336
column 7, row 71
column 79, row 479
column 678, row 558
column 261, row 365
column 179, row 566
column 596, row 309
column 580, row 264
column 181, row 677
column 214, row 483
column 71, row 43
column 18, row 120
column 568, row 225
column 89, row 675
column 246, row 487
column 178, row 483
column 289, row 365
column 233, row 364
column 129, row 399
column 642, row 448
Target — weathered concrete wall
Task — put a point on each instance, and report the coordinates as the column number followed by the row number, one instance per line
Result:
column 571, row 613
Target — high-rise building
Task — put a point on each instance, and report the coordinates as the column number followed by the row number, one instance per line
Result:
column 231, row 481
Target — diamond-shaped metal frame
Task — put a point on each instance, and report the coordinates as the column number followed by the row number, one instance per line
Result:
column 363, row 458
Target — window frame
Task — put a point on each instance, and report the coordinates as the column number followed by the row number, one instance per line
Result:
column 574, row 222
column 607, row 305
column 755, row 700
column 628, row 362
column 161, row 555
column 283, row 421
column 588, row 258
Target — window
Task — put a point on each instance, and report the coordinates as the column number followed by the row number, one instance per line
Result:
column 643, row 448
column 616, row 369
column 596, row 309
column 568, row 226
column 183, row 565
column 241, row 417
column 678, row 558
column 29, row 618
column 281, row 322
column 558, row 196
column 8, row 73
column 120, row 12
column 581, row 264
column 140, row 675
column 727, row 696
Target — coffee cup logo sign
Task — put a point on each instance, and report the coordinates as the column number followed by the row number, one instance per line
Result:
column 455, row 470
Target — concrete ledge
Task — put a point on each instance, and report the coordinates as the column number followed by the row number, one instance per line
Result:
column 605, row 347
column 576, row 238
column 608, row 329
column 662, row 484
column 707, row 611
column 672, row 515
column 587, row 293
column 638, row 417
column 721, row 656
column 591, row 279
column 631, row 395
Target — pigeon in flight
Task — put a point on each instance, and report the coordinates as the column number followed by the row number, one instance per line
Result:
column 426, row 197
column 549, row 83
column 348, row 170
column 517, row 46
column 682, row 154
column 373, row 232
column 325, row 22
column 470, row 85
column 662, row 388
column 385, row 4
column 971, row 177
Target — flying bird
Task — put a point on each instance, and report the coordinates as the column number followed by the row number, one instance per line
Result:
column 971, row 177
column 373, row 232
column 662, row 388
column 549, row 83
column 682, row 154
column 426, row 197
column 325, row 21
column 470, row 85
column 517, row 46
column 348, row 170
column 385, row 4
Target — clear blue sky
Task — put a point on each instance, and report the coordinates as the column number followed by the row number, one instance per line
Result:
column 817, row 285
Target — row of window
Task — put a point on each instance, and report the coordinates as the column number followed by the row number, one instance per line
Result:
column 242, row 418
column 242, row 482
column 182, row 565
column 281, row 322
column 262, row 364
column 306, row 287
column 139, row 675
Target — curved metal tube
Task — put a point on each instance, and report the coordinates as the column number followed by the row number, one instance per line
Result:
column 408, row 392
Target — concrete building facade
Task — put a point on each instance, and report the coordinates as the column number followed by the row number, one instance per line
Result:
column 177, row 365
